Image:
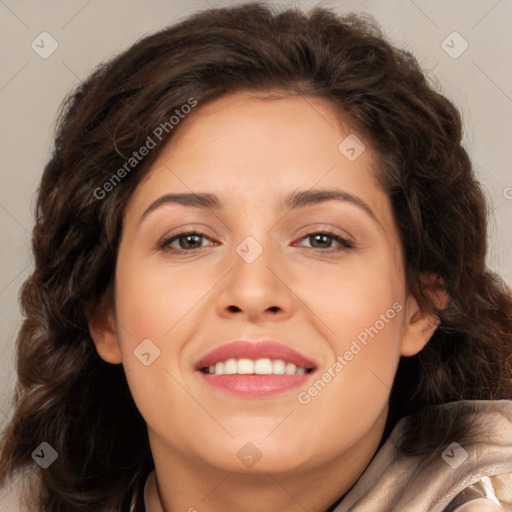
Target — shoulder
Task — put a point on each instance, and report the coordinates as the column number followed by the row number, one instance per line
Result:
column 431, row 480
column 480, row 505
column 488, row 493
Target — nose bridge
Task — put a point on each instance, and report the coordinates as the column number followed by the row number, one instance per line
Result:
column 254, row 286
column 255, row 257
column 253, row 230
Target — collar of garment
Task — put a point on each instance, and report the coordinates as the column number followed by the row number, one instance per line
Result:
column 427, row 482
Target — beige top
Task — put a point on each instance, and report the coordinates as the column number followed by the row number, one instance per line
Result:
column 422, row 483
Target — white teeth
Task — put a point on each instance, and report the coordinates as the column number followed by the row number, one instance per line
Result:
column 264, row 366
column 245, row 366
column 290, row 369
column 278, row 367
column 230, row 366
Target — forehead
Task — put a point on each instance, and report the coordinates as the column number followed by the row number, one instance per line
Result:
column 261, row 127
column 247, row 145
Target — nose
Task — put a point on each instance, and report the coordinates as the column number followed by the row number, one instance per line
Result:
column 257, row 290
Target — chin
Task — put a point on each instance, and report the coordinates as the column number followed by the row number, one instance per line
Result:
column 256, row 454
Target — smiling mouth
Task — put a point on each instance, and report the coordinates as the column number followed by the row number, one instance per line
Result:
column 255, row 379
column 259, row 369
column 264, row 366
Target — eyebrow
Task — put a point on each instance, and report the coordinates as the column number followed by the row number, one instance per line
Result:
column 294, row 200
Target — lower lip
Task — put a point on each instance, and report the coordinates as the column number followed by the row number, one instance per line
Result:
column 255, row 386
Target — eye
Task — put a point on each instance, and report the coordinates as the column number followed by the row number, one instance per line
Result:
column 188, row 241
column 323, row 240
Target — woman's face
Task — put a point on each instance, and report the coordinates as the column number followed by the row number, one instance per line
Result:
column 261, row 269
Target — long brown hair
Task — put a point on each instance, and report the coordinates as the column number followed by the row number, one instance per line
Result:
column 69, row 397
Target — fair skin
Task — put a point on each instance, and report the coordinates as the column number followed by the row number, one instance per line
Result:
column 251, row 153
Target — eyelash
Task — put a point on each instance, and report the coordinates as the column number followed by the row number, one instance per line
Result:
column 164, row 245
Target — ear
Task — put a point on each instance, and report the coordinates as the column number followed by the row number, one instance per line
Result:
column 419, row 325
column 102, row 327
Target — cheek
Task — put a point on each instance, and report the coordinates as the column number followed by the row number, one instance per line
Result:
column 352, row 391
column 153, row 306
column 155, row 303
column 361, row 300
column 361, row 309
column 369, row 315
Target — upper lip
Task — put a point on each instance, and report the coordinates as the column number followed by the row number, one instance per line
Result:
column 254, row 350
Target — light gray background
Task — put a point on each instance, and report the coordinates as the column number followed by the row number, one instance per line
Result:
column 479, row 82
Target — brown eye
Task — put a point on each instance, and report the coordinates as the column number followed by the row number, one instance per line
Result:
column 187, row 241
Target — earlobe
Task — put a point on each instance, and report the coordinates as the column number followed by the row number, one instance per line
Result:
column 103, row 331
column 420, row 325
column 418, row 329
